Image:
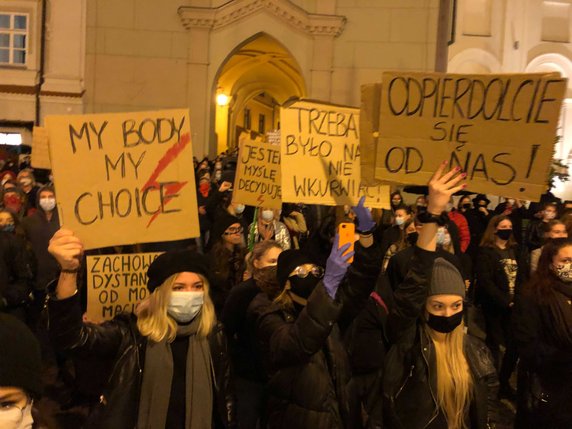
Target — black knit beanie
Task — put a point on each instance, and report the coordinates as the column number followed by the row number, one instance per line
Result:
column 20, row 358
column 446, row 279
column 167, row 264
column 287, row 261
column 220, row 225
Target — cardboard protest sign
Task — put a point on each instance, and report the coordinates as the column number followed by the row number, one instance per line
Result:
column 376, row 196
column 320, row 154
column 124, row 178
column 258, row 177
column 40, row 149
column 500, row 129
column 116, row 283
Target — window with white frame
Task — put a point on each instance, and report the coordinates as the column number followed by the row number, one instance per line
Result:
column 13, row 38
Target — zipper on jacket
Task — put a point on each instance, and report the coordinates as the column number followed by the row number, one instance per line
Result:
column 406, row 380
column 430, row 388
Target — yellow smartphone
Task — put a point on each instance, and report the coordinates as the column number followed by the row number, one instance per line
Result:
column 347, row 232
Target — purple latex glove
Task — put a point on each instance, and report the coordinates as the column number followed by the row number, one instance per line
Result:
column 365, row 221
column 336, row 267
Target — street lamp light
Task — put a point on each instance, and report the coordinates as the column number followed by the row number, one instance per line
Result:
column 222, row 99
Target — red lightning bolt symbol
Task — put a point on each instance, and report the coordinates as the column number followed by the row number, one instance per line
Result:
column 167, row 159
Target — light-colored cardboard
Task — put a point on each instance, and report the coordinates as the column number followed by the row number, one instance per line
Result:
column 116, row 284
column 40, row 148
column 320, row 154
column 258, row 174
column 506, row 150
column 146, row 174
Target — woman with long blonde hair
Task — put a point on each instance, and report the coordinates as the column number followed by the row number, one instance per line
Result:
column 171, row 368
column 435, row 375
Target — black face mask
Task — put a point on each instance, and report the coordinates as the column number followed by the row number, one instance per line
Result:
column 445, row 324
column 412, row 238
column 421, row 209
column 504, row 234
column 466, row 206
column 303, row 287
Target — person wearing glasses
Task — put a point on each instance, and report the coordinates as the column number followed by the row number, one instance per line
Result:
column 300, row 342
column 20, row 373
column 226, row 254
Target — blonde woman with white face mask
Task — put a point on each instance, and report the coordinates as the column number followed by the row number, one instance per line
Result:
column 171, row 368
column 20, row 373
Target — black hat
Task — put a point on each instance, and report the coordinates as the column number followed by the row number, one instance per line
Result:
column 175, row 262
column 287, row 261
column 221, row 223
column 481, row 197
column 446, row 279
column 20, row 358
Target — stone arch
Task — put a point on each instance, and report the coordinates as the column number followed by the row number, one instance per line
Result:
column 474, row 60
column 552, row 62
column 259, row 64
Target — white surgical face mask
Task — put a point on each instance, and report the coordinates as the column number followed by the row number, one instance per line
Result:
column 443, row 239
column 239, row 208
column 184, row 306
column 399, row 220
column 25, row 181
column 267, row 215
column 48, row 204
column 16, row 419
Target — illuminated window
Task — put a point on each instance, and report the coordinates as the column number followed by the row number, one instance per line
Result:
column 261, row 123
column 13, row 38
column 11, row 139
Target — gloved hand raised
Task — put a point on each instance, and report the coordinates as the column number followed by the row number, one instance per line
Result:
column 365, row 221
column 336, row 267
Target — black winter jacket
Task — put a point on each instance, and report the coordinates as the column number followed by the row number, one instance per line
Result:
column 410, row 379
column 306, row 361
column 120, row 338
column 492, row 288
column 15, row 275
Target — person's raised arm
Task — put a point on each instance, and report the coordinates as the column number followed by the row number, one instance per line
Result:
column 410, row 296
column 441, row 187
column 67, row 249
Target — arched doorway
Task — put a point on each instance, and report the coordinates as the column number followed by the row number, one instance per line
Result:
column 255, row 79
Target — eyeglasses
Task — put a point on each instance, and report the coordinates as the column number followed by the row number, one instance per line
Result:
column 12, row 413
column 234, row 230
column 302, row 272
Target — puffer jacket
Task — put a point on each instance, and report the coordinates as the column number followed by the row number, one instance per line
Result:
column 120, row 339
column 410, row 379
column 305, row 358
column 303, row 351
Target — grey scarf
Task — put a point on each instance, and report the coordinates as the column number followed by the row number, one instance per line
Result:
column 157, row 377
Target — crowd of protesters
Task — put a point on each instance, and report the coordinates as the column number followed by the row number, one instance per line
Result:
column 450, row 311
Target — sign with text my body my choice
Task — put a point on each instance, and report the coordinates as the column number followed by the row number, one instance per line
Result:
column 320, row 156
column 124, row 178
column 500, row 129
